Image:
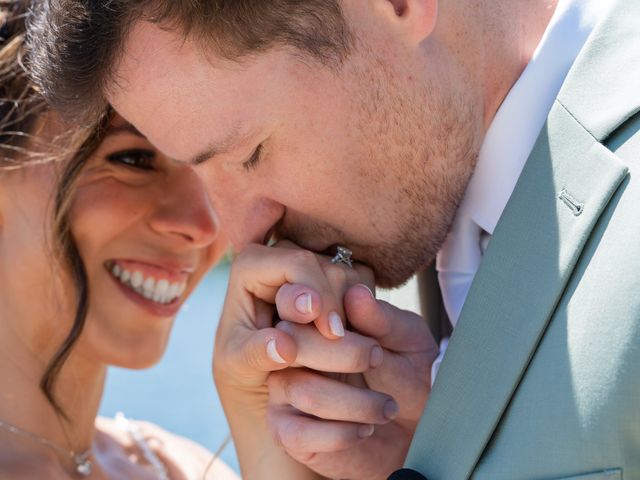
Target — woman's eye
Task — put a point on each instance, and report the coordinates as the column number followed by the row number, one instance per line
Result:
column 140, row 159
column 253, row 161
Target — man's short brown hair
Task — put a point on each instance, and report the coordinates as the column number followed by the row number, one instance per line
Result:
column 75, row 44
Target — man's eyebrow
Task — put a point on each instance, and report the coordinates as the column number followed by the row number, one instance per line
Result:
column 234, row 138
column 207, row 154
column 237, row 136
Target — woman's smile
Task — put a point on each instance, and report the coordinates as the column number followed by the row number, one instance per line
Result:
column 157, row 288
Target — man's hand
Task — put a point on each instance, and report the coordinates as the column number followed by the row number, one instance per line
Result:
column 345, row 427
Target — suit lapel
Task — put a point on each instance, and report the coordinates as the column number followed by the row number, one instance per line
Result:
column 564, row 188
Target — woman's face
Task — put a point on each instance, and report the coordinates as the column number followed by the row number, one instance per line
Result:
column 146, row 232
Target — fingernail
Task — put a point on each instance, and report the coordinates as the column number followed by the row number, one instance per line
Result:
column 335, row 324
column 303, row 303
column 272, row 352
column 368, row 289
column 390, row 409
column 376, row 356
column 365, row 431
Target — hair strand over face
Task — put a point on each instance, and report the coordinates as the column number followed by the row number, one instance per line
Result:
column 23, row 110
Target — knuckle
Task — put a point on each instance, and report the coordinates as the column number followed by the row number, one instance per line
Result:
column 275, row 381
column 353, row 276
column 302, row 457
column 359, row 358
column 336, row 274
column 243, row 260
column 292, row 435
column 247, row 253
column 300, row 395
column 252, row 356
column 303, row 258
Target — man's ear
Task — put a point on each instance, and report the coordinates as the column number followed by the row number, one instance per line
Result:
column 418, row 17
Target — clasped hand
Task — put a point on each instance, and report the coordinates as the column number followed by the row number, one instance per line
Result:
column 306, row 395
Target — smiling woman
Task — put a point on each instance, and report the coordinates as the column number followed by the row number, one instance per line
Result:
column 102, row 239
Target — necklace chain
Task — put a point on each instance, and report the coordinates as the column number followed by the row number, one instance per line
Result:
column 80, row 460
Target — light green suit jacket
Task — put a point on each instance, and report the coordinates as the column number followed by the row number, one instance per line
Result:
column 541, row 379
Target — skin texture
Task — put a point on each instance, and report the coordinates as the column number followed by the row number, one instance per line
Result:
column 125, row 207
column 333, row 423
column 347, row 158
column 374, row 155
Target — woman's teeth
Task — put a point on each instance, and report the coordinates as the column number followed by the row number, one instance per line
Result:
column 159, row 291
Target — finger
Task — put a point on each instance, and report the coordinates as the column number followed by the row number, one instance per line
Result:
column 248, row 357
column 353, row 353
column 329, row 399
column 395, row 329
column 388, row 447
column 409, row 351
column 366, row 276
column 298, row 303
column 341, row 277
column 300, row 434
column 408, row 380
column 261, row 271
column 301, row 304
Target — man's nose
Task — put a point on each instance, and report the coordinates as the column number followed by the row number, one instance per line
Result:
column 184, row 212
column 244, row 206
column 248, row 220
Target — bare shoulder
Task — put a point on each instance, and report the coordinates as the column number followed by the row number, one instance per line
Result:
column 182, row 457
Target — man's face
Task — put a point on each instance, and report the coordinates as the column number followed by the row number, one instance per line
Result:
column 374, row 155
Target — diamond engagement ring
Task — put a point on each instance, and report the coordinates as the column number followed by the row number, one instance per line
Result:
column 343, row 256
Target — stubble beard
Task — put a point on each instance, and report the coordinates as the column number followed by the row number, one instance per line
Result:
column 422, row 148
column 431, row 139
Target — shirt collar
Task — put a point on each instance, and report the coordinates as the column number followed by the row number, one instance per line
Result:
column 517, row 123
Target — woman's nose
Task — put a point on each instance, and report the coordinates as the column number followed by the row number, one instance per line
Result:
column 184, row 211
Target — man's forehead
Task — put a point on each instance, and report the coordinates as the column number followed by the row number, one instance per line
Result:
column 172, row 96
column 189, row 107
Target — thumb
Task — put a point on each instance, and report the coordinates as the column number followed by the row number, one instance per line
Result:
column 395, row 329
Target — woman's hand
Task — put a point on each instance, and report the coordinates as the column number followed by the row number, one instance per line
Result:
column 303, row 288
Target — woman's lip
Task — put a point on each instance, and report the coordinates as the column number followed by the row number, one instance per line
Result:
column 158, row 269
column 154, row 308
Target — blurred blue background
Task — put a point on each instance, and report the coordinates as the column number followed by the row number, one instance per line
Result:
column 178, row 394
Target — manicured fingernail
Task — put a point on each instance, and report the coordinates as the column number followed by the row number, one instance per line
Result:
column 272, row 352
column 335, row 324
column 368, row 289
column 376, row 356
column 390, row 409
column 365, row 431
column 303, row 303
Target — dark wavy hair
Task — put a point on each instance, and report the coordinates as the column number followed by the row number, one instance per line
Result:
column 76, row 44
column 22, row 106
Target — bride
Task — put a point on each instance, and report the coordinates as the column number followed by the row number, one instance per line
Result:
column 98, row 251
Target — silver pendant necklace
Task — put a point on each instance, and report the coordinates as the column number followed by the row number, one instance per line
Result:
column 83, row 466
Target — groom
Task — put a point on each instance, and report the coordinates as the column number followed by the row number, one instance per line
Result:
column 500, row 139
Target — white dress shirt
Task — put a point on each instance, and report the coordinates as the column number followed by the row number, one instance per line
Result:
column 505, row 149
